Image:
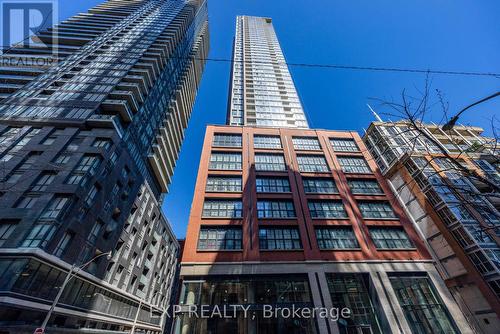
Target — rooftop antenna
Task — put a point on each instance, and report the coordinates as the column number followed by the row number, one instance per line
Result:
column 374, row 113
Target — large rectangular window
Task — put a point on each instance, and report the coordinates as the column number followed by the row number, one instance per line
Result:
column 39, row 235
column 352, row 291
column 275, row 209
column 423, row 308
column 272, row 185
column 337, row 237
column 102, row 143
column 63, row 244
column 306, row 143
column 364, row 187
column 344, row 145
column 94, row 233
column 227, row 140
column 222, row 208
column 354, row 165
column 55, row 208
column 279, row 238
column 319, row 185
column 86, row 167
column 390, row 237
column 269, row 162
column 6, row 229
column 225, row 161
column 43, row 181
column 219, row 237
column 482, row 262
column 266, row 141
column 326, row 209
column 312, row 163
column 237, row 289
column 223, row 184
column 376, row 210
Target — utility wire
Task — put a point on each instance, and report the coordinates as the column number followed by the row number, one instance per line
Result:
column 354, row 67
column 313, row 65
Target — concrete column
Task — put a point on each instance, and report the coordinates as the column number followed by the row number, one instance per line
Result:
column 323, row 324
column 456, row 315
column 389, row 304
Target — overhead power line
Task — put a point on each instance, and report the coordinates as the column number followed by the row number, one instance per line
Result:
column 313, row 65
column 354, row 67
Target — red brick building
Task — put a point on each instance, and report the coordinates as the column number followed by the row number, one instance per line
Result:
column 280, row 210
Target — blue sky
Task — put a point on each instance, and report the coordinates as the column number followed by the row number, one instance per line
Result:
column 453, row 35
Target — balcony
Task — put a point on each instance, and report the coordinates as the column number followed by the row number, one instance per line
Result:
column 120, row 106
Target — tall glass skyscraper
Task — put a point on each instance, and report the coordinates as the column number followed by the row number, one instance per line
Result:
column 262, row 90
column 87, row 148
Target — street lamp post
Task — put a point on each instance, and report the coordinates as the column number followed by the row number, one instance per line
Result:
column 74, row 269
column 132, row 331
column 451, row 123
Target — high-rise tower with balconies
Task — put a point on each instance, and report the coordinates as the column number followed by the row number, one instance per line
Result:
column 87, row 148
column 262, row 91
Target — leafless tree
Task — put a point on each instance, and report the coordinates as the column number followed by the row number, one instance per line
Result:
column 474, row 188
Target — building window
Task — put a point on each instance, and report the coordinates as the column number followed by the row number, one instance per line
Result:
column 55, row 208
column 222, row 209
column 352, row 291
column 63, row 244
column 365, row 187
column 225, row 161
column 219, row 238
column 39, row 235
column 62, row 158
column 266, row 289
column 85, row 168
column 376, row 210
column 390, row 237
column 481, row 262
column 227, row 140
column 102, row 143
column 275, row 209
column 306, row 143
column 344, row 145
column 14, row 177
column 91, row 195
column 26, row 202
column 272, row 185
column 269, row 162
column 495, row 286
column 354, row 165
column 6, row 229
column 477, row 232
column 223, row 184
column 326, row 209
column 319, row 185
column 312, row 163
column 266, row 141
column 94, row 233
column 49, row 140
column 279, row 238
column 336, row 237
column 421, row 305
column 28, row 163
column 43, row 181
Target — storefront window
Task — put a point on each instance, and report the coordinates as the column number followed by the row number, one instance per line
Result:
column 423, row 308
column 352, row 291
